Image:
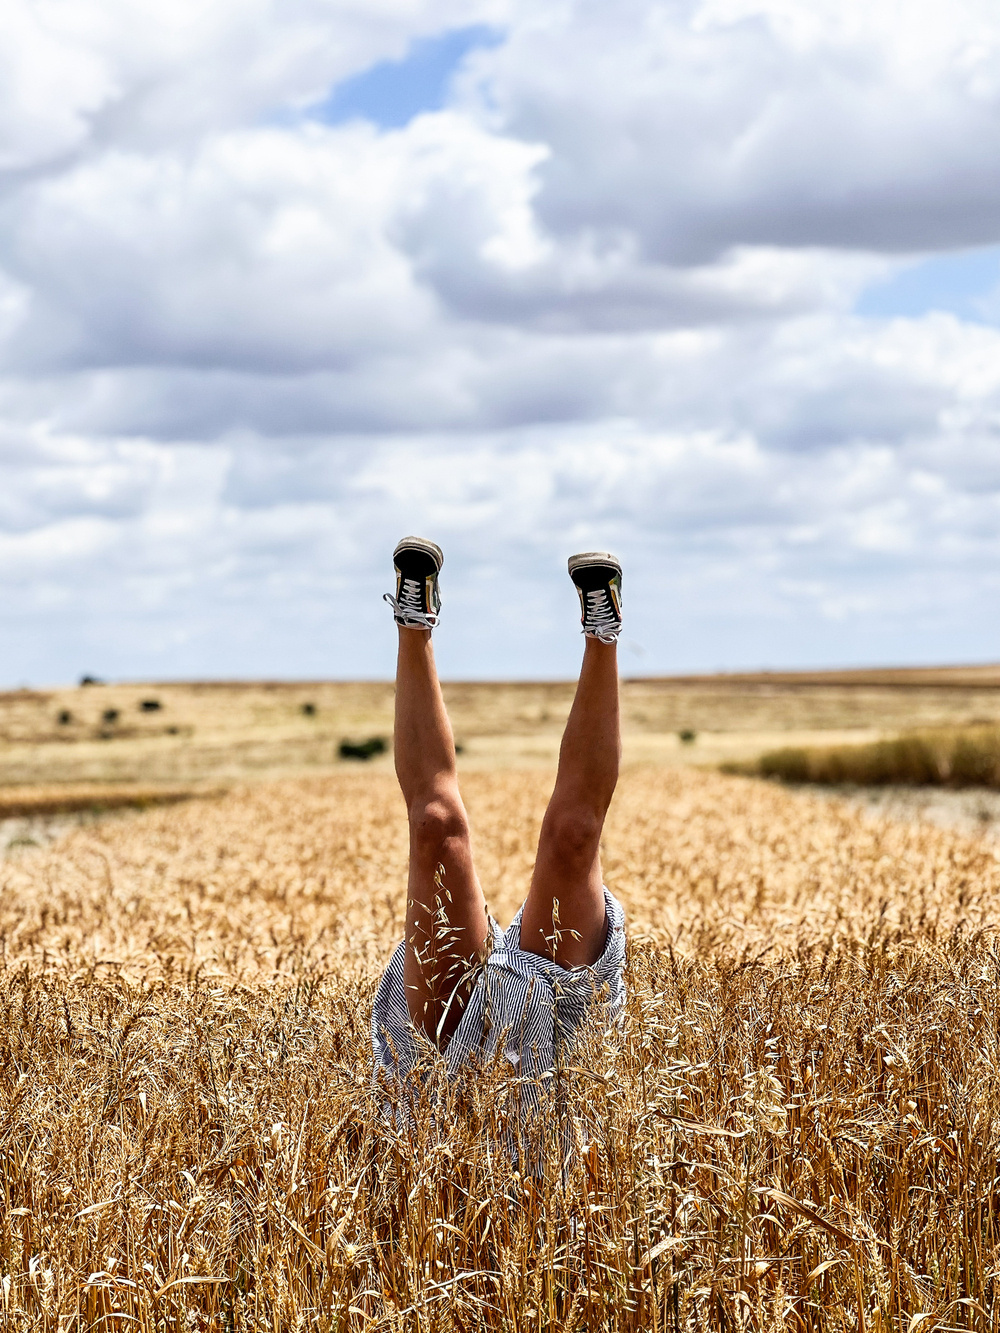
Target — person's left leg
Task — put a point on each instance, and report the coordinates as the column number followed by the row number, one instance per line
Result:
column 564, row 914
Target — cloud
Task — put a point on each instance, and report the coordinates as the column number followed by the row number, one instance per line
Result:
column 277, row 251
column 263, row 250
column 82, row 76
column 698, row 127
column 610, row 293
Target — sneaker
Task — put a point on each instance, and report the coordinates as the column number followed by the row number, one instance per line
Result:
column 417, row 603
column 598, row 579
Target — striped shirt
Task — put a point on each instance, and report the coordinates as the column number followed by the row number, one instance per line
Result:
column 522, row 1004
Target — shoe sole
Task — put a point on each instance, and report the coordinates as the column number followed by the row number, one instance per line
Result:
column 421, row 544
column 586, row 558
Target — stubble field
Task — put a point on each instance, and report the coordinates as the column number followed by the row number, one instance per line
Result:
column 202, row 735
column 795, row 1127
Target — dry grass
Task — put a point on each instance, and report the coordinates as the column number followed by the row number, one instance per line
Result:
column 92, row 797
column 947, row 757
column 796, row 1127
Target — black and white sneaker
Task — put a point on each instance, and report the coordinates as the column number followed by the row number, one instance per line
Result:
column 417, row 603
column 598, row 579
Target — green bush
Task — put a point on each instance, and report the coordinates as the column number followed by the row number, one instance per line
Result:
column 363, row 750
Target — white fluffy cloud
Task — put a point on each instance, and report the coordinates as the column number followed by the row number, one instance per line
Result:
column 604, row 297
column 83, row 76
column 699, row 126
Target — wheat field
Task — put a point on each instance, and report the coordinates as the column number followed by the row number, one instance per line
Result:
column 795, row 1127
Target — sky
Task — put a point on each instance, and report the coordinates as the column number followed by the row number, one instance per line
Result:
column 712, row 284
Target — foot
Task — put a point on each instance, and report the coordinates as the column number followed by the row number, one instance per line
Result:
column 598, row 579
column 417, row 603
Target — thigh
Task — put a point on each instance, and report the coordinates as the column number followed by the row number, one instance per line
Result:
column 564, row 915
column 446, row 918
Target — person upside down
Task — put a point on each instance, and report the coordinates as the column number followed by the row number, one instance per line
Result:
column 458, row 987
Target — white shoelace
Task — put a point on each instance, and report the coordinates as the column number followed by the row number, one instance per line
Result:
column 601, row 622
column 409, row 608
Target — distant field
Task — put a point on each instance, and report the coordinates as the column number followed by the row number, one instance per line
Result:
column 221, row 732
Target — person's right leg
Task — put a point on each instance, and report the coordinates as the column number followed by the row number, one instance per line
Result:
column 446, row 916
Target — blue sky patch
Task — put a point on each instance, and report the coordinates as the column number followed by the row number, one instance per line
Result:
column 392, row 92
column 965, row 283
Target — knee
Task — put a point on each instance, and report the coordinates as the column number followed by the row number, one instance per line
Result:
column 436, row 823
column 573, row 835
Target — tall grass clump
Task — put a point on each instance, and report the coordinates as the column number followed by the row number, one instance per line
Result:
column 796, row 1125
column 947, row 756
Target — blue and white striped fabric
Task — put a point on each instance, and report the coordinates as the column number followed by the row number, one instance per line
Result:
column 524, row 1005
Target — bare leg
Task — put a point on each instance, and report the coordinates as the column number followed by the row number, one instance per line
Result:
column 564, row 915
column 446, row 922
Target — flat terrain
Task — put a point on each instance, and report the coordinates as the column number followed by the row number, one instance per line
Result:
column 220, row 732
column 796, row 1126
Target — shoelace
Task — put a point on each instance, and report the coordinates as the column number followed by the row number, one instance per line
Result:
column 408, row 610
column 601, row 620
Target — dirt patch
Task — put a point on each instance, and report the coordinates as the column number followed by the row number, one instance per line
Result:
column 974, row 811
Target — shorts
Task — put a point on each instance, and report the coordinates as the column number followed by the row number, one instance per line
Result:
column 523, row 1005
